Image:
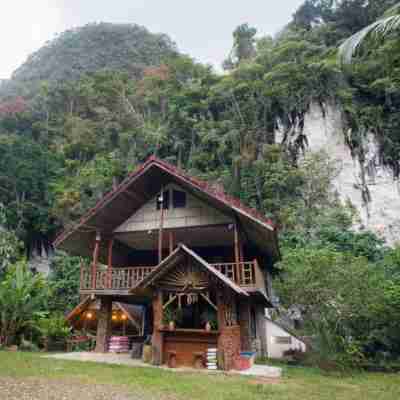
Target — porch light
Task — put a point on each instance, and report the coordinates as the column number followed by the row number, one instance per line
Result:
column 114, row 317
column 123, row 317
column 89, row 315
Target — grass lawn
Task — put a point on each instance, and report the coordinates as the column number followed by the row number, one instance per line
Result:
column 297, row 383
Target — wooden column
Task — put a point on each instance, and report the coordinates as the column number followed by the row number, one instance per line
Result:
column 160, row 231
column 171, row 241
column 103, row 325
column 244, row 322
column 241, row 250
column 237, row 253
column 157, row 340
column 95, row 259
column 229, row 336
column 109, row 263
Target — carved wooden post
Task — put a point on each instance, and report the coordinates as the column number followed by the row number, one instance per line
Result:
column 95, row 259
column 157, row 337
column 229, row 331
column 103, row 324
column 244, row 322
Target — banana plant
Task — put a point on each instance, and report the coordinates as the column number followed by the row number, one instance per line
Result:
column 22, row 295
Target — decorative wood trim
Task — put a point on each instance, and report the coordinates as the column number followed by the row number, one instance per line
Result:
column 208, row 300
column 171, row 300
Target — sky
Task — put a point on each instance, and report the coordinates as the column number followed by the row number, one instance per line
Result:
column 202, row 28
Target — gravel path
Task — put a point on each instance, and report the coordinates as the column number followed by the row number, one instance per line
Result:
column 49, row 389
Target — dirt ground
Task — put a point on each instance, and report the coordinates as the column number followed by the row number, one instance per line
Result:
column 48, row 389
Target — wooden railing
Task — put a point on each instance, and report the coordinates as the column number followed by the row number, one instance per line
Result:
column 114, row 279
column 245, row 274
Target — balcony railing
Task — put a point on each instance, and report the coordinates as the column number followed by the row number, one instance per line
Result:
column 246, row 274
column 114, row 279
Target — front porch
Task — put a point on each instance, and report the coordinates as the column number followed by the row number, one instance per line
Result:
column 191, row 308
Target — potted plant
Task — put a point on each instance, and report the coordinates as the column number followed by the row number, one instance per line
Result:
column 171, row 317
column 209, row 320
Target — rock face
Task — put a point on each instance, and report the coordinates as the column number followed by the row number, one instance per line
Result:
column 382, row 214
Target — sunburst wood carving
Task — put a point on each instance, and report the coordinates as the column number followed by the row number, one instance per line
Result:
column 185, row 277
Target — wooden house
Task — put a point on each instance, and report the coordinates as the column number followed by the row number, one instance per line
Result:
column 196, row 259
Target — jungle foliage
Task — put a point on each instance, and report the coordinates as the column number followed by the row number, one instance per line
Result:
column 94, row 103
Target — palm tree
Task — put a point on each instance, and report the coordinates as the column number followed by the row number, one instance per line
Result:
column 389, row 22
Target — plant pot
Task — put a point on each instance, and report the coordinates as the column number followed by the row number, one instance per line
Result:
column 208, row 327
column 171, row 325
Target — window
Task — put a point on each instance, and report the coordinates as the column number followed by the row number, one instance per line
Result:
column 163, row 198
column 178, row 199
column 282, row 339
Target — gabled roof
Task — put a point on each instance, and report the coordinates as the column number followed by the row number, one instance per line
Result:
column 144, row 184
column 175, row 258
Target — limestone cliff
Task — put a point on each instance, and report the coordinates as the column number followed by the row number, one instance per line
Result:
column 382, row 214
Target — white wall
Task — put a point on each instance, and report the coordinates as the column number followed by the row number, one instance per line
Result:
column 196, row 213
column 276, row 350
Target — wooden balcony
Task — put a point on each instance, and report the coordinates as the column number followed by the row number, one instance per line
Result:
column 120, row 280
column 114, row 279
column 246, row 274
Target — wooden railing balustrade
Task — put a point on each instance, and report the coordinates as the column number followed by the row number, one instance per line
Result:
column 114, row 278
column 250, row 276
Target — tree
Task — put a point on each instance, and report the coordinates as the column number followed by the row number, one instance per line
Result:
column 339, row 296
column 10, row 246
column 243, row 46
column 27, row 170
column 64, row 280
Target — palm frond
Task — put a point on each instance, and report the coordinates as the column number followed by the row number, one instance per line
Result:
column 379, row 29
column 392, row 10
